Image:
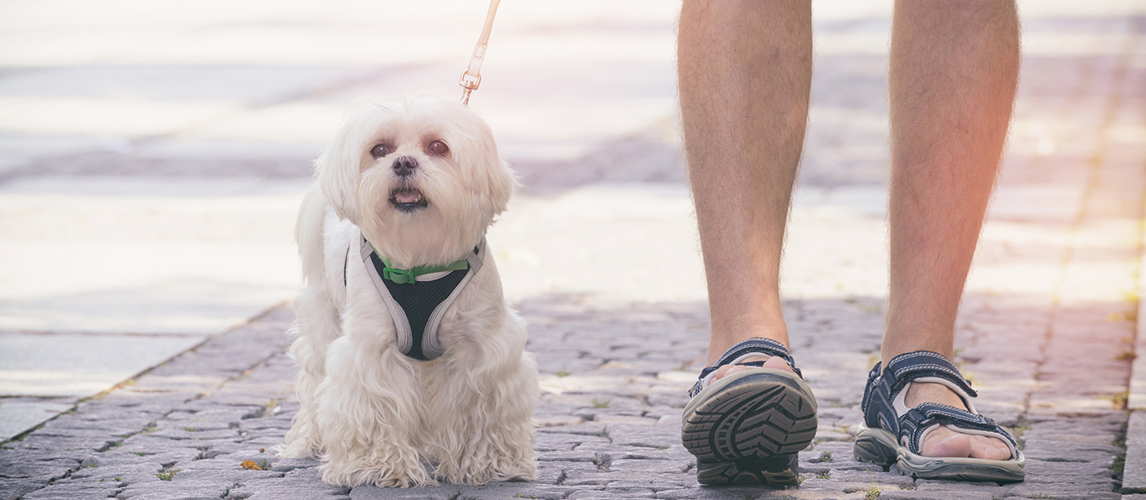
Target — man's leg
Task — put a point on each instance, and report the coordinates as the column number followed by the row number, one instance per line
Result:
column 954, row 68
column 745, row 70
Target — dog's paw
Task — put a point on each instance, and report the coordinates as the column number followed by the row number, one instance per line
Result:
column 298, row 448
column 478, row 472
column 378, row 472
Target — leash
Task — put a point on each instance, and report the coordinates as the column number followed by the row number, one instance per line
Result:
column 471, row 78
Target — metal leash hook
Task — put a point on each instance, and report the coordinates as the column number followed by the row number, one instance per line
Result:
column 471, row 78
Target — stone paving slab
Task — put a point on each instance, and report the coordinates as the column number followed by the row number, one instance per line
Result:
column 126, row 255
column 587, row 103
column 20, row 414
column 611, row 431
column 61, row 364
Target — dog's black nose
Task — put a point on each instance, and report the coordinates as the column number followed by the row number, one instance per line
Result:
column 404, row 165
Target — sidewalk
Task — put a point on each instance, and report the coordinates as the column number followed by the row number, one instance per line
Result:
column 149, row 177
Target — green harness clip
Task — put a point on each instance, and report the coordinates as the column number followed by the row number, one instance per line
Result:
column 402, row 276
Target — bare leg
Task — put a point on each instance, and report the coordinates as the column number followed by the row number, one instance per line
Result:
column 954, row 68
column 745, row 70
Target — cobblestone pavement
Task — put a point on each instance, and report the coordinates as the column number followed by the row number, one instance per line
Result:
column 1046, row 332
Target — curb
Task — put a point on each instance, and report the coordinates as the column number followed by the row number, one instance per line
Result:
column 1134, row 467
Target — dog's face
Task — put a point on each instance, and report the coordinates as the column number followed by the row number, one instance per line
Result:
column 421, row 177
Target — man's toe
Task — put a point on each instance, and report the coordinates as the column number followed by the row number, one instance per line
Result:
column 777, row 363
column 942, row 442
column 989, row 448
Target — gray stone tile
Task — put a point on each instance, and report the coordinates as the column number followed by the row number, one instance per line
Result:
column 935, row 495
column 20, row 414
column 79, row 365
column 611, row 170
column 1134, row 471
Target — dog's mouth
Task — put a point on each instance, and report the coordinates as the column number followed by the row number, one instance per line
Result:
column 407, row 199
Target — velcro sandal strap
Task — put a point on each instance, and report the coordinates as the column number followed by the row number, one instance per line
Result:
column 904, row 368
column 871, row 389
column 750, row 347
column 914, row 423
column 886, row 382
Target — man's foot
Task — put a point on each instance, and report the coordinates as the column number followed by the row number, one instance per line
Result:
column 746, row 424
column 919, row 415
column 942, row 442
column 945, row 442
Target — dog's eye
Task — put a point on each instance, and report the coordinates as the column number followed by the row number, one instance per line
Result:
column 439, row 148
column 380, row 151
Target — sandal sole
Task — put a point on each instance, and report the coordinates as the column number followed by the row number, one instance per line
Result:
column 879, row 447
column 747, row 428
column 777, row 471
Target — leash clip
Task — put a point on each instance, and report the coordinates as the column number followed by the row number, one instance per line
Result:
column 471, row 78
column 469, row 84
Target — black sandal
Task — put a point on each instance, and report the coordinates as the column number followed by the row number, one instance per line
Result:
column 893, row 434
column 748, row 427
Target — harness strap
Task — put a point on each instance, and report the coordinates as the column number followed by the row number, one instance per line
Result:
column 420, row 295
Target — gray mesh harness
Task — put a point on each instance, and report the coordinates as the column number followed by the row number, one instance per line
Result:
column 417, row 308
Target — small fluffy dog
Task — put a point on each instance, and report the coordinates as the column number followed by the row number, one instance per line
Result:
column 408, row 352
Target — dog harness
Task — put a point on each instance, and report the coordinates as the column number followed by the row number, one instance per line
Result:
column 418, row 298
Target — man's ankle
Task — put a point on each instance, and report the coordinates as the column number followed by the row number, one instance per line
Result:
column 925, row 392
column 720, row 343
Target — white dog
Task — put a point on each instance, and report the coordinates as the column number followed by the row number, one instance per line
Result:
column 409, row 354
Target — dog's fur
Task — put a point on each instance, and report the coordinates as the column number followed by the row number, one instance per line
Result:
column 375, row 415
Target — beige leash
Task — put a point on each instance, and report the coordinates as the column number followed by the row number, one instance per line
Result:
column 471, row 78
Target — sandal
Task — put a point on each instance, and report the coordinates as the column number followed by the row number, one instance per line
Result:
column 748, row 427
column 892, row 433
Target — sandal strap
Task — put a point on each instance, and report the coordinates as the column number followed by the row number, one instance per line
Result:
column 914, row 424
column 885, row 383
column 752, row 346
column 920, row 364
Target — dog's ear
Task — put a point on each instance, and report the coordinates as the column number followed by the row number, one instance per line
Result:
column 494, row 180
column 500, row 184
column 503, row 186
column 340, row 165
